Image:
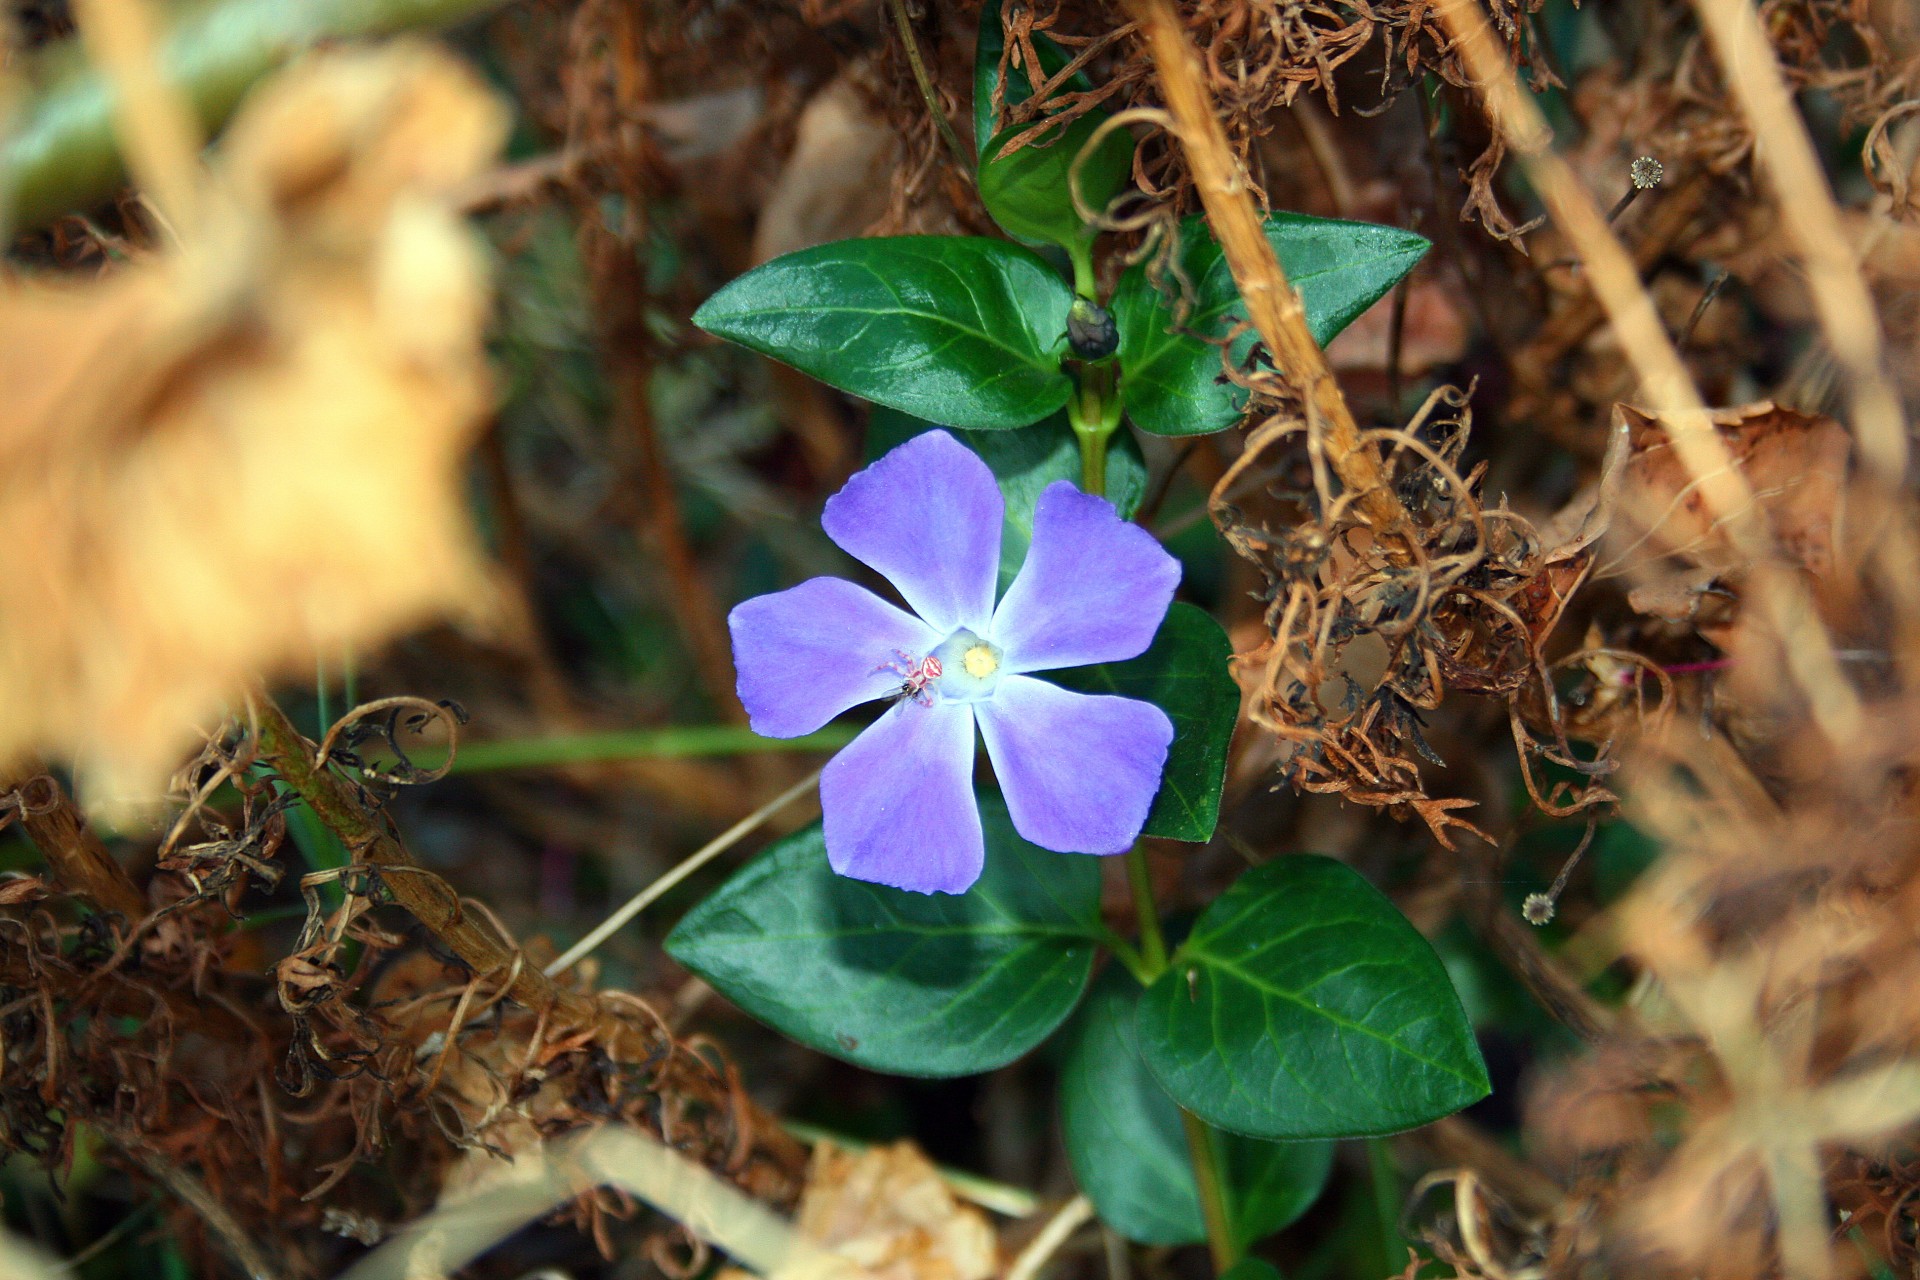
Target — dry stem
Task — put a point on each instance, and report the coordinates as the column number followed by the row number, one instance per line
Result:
column 158, row 130
column 425, row 895
column 1805, row 201
column 80, row 862
column 1667, row 383
column 1272, row 304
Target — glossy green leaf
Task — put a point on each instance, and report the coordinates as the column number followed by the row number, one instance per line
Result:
column 1027, row 190
column 1184, row 673
column 1128, row 1147
column 1304, row 1005
column 1025, row 461
column 915, row 984
column 1172, row 379
column 957, row 329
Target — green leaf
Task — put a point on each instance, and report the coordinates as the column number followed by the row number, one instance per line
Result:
column 915, row 984
column 986, row 73
column 1184, row 672
column 1128, row 1148
column 958, row 329
column 1304, row 1005
column 1025, row 461
column 1172, row 379
column 1027, row 191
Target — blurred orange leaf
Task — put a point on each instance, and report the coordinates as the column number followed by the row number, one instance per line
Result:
column 226, row 459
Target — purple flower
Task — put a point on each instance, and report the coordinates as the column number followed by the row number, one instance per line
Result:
column 1078, row 770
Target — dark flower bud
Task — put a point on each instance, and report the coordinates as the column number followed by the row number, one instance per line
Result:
column 1091, row 331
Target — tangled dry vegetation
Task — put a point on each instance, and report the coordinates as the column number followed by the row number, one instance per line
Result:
column 1530, row 587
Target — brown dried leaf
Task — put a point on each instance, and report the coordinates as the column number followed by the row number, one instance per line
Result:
column 887, row 1211
column 1796, row 463
column 19, row 890
column 222, row 461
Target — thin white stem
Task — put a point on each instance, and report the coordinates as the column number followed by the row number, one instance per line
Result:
column 1074, row 1214
column 699, row 858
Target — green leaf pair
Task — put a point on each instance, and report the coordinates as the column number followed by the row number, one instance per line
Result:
column 1302, row 1006
column 971, row 332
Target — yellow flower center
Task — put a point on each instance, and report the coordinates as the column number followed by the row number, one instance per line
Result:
column 980, row 662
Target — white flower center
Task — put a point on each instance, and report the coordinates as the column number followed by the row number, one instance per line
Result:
column 969, row 667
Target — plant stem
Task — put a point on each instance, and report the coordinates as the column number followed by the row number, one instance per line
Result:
column 927, row 93
column 1080, row 252
column 1093, row 462
column 677, row 742
column 62, row 153
column 369, row 842
column 1207, row 1175
column 1273, row 306
column 1201, row 1150
column 1153, row 944
column 1094, row 412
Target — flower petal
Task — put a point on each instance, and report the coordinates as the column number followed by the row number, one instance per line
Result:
column 806, row 654
column 927, row 515
column 1079, row 770
column 1094, row 588
column 898, row 801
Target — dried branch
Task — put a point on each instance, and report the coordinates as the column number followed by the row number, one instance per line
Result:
column 80, row 861
column 1275, row 308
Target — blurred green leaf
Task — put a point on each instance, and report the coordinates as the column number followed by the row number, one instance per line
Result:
column 957, row 329
column 910, row 983
column 1128, row 1146
column 1183, row 672
column 1250, row 1269
column 1171, row 377
column 1304, row 1005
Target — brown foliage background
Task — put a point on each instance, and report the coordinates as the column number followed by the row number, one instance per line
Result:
column 1548, row 701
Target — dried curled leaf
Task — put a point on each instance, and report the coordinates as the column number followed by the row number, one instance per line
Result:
column 887, row 1211
column 1796, row 463
column 222, row 461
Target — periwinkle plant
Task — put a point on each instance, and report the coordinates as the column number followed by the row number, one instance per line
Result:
column 929, row 926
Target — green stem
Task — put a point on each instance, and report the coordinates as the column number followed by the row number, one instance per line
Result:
column 62, row 153
column 1202, row 1151
column 1205, row 1154
column 1153, row 944
column 680, row 742
column 1093, row 462
column 1094, row 413
column 927, row 92
column 1080, row 252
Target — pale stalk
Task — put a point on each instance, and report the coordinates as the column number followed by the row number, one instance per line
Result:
column 699, row 858
column 1667, row 385
column 1801, row 193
